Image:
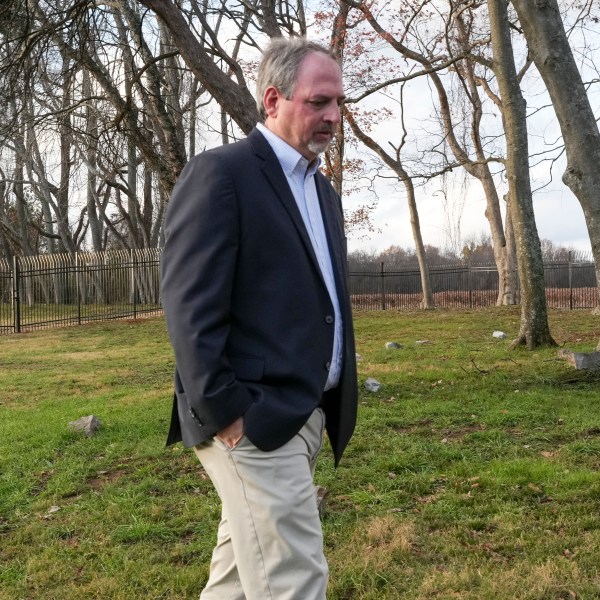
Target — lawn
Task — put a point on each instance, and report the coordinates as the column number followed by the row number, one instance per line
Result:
column 473, row 473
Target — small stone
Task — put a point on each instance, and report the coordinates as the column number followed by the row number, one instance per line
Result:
column 359, row 357
column 393, row 345
column 86, row 425
column 372, row 384
column 51, row 511
column 499, row 335
column 422, row 342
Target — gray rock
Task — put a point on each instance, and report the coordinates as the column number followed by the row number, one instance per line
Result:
column 582, row 361
column 499, row 335
column 393, row 345
column 359, row 357
column 86, row 425
column 372, row 384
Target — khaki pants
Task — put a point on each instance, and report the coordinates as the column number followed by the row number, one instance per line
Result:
column 270, row 542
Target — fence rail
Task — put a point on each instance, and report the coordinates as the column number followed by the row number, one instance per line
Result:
column 64, row 289
column 569, row 285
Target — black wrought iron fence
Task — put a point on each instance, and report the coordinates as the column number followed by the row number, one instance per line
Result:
column 65, row 289
column 569, row 285
column 53, row 290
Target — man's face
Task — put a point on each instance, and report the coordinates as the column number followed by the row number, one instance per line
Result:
column 309, row 119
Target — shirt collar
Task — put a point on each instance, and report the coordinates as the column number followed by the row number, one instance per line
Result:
column 290, row 159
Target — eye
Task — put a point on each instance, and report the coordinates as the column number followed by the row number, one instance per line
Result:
column 318, row 103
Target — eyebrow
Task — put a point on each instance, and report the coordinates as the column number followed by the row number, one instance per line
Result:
column 320, row 98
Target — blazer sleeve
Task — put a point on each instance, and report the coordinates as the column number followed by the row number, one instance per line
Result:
column 197, row 274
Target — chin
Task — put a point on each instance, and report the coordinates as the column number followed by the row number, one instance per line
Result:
column 318, row 147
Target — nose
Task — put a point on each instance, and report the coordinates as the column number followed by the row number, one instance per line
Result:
column 332, row 115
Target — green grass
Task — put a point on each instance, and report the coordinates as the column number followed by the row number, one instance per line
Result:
column 473, row 472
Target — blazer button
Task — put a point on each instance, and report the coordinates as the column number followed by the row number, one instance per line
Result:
column 329, row 319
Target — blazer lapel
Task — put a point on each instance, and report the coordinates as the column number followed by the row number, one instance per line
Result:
column 334, row 229
column 272, row 170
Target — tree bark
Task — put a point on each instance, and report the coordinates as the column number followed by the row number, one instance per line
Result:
column 549, row 46
column 334, row 157
column 62, row 196
column 534, row 330
column 92, row 133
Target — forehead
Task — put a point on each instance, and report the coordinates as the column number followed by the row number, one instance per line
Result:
column 319, row 73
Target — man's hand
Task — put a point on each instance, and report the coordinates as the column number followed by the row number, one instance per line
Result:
column 232, row 434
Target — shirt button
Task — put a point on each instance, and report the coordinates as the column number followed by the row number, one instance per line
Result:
column 329, row 319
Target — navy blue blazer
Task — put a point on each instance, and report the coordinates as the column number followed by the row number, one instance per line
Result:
column 247, row 309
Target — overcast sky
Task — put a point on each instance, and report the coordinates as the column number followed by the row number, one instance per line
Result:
column 559, row 218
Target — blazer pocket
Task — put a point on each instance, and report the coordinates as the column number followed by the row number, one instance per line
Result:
column 248, row 368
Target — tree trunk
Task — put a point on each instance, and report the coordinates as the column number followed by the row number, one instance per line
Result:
column 334, row 157
column 493, row 214
column 427, row 300
column 65, row 133
column 132, row 201
column 193, row 112
column 534, row 330
column 549, row 46
column 92, row 167
column 511, row 256
column 480, row 169
column 404, row 177
column 23, row 218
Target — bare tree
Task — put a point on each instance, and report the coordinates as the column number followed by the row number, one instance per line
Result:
column 394, row 162
column 534, row 330
column 549, row 46
column 106, row 90
column 458, row 56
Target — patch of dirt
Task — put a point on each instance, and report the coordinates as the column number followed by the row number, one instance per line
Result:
column 104, row 477
column 413, row 427
column 460, row 433
column 42, row 479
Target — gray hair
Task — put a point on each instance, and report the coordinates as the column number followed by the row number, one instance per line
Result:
column 279, row 66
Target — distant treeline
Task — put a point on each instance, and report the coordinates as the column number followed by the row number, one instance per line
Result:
column 474, row 253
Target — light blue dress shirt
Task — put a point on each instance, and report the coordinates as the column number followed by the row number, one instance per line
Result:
column 300, row 175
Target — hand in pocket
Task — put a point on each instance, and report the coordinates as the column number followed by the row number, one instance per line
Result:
column 232, row 434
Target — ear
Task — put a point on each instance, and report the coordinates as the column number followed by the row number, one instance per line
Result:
column 271, row 101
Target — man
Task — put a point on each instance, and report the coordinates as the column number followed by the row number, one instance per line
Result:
column 255, row 295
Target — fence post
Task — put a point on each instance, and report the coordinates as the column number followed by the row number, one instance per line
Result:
column 570, row 282
column 16, row 299
column 382, row 287
column 470, row 277
column 78, row 287
column 133, row 283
